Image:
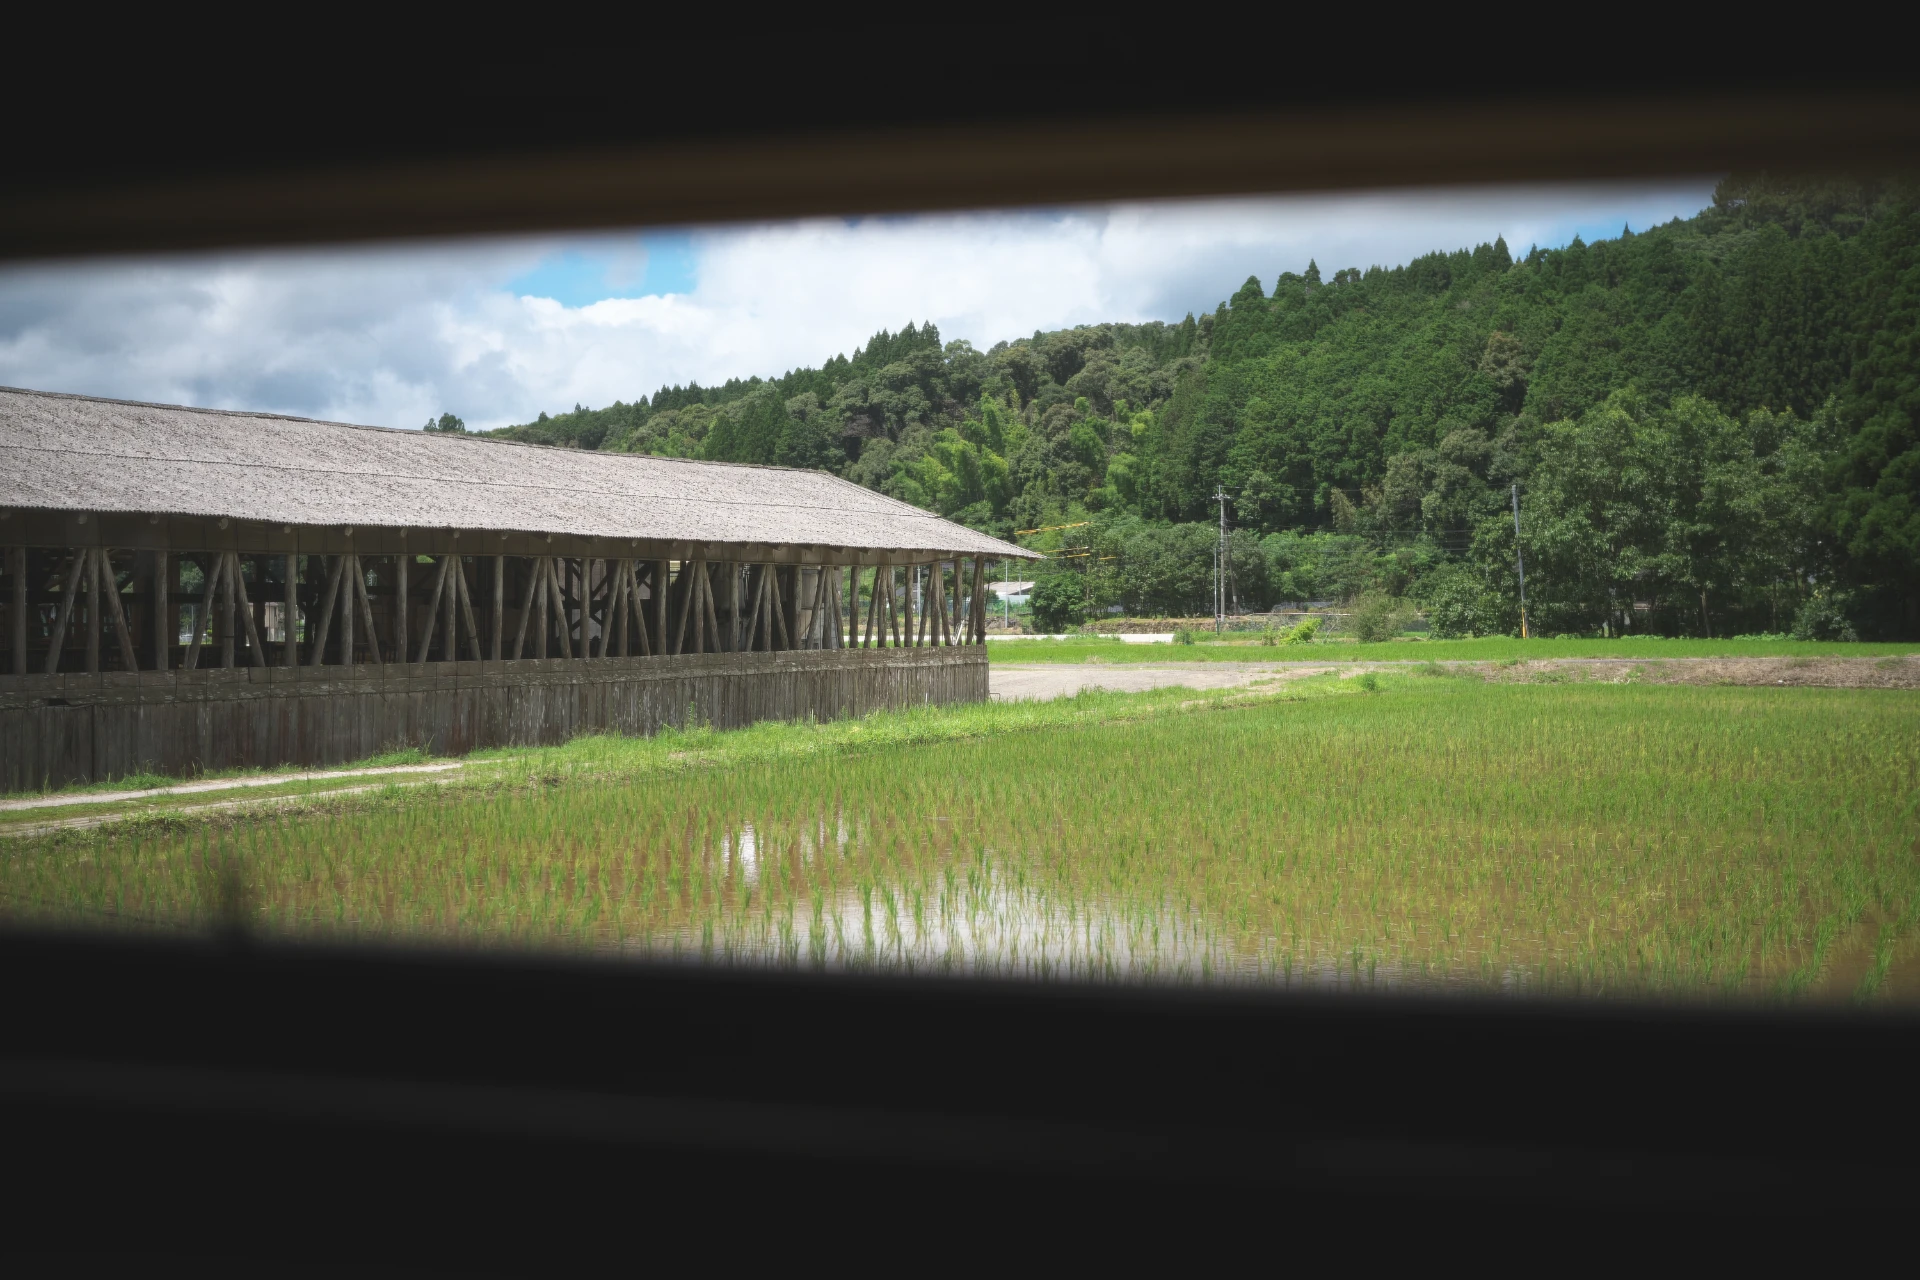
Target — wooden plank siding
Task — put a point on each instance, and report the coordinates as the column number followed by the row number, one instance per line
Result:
column 74, row 727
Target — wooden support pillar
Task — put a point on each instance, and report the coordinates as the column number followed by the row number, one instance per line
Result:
column 17, row 607
column 449, row 610
column 582, row 578
column 402, row 604
column 543, row 605
column 238, row 586
column 68, row 588
column 349, row 578
column 657, row 606
column 466, row 611
column 716, row 642
column 733, row 606
column 223, row 617
column 908, row 589
column 873, row 608
column 90, row 579
column 499, row 604
column 526, row 613
column 290, row 611
column 852, row 606
column 556, row 598
column 429, row 620
column 203, row 612
column 897, row 609
column 640, row 613
column 113, row 614
column 978, row 614
column 364, row 603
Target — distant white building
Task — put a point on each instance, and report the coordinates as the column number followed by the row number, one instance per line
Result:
column 1011, row 592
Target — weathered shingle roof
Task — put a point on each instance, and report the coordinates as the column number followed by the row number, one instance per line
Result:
column 69, row 452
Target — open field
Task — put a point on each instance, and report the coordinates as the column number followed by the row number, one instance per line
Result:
column 1246, row 647
column 1020, row 680
column 1586, row 839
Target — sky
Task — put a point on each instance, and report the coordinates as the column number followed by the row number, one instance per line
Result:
column 497, row 331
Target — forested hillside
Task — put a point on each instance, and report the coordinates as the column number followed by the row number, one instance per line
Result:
column 1712, row 426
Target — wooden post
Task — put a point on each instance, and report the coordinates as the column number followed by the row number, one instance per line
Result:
column 657, row 606
column 402, row 604
column 164, row 629
column 678, row 611
column 349, row 575
column 449, row 609
column 254, row 647
column 978, row 613
column 756, row 608
column 733, row 606
column 225, row 618
column 203, row 616
column 833, row 636
column 896, row 607
column 365, row 604
column 783, row 614
column 613, row 634
column 928, row 608
column 90, row 579
column 908, row 589
column 638, row 610
column 542, row 605
column 873, row 605
column 466, row 610
column 17, row 607
column 526, row 611
column 705, row 622
column 824, row 595
column 290, row 611
column 322, row 616
column 429, row 620
column 855, row 638
column 717, row 642
column 557, row 601
column 583, row 583
column 939, row 602
column 499, row 603
column 67, row 591
column 90, row 583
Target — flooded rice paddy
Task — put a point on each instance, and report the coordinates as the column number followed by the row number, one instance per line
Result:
column 1430, row 834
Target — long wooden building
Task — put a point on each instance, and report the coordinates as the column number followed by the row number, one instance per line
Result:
column 190, row 589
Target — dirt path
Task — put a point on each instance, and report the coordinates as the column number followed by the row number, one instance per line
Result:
column 1042, row 681
column 215, row 784
column 1016, row 681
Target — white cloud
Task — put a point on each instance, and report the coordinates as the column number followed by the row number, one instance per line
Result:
column 395, row 335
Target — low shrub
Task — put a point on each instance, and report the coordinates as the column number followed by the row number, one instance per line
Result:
column 1377, row 617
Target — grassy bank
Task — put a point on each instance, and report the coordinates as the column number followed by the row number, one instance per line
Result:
column 1243, row 647
column 1427, row 831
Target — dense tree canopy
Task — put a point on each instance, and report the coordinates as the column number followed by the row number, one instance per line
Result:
column 1712, row 425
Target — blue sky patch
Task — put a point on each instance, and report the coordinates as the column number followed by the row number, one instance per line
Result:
column 648, row 265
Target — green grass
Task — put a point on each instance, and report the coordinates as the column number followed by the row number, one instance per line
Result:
column 1245, row 647
column 1572, row 839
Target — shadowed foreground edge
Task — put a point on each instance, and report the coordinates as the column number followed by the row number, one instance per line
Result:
column 196, row 1097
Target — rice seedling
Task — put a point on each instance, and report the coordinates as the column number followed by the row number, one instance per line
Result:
column 1590, row 840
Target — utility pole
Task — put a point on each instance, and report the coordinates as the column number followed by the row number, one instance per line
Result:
column 1519, row 563
column 1220, row 566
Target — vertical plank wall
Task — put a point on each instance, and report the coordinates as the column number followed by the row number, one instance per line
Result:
column 62, row 729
